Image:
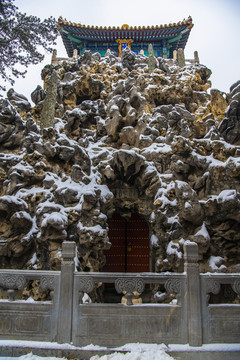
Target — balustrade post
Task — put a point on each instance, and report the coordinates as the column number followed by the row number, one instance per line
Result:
column 66, row 293
column 194, row 310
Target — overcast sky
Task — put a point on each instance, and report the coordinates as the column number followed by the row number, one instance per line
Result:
column 215, row 35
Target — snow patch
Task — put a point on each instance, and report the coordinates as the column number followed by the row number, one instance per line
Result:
column 54, row 219
column 215, row 263
column 157, row 149
column 173, row 249
column 154, row 239
column 187, row 205
column 31, row 356
column 227, row 195
column 203, row 232
column 173, row 219
column 138, row 351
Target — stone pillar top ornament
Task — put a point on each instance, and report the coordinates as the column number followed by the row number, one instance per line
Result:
column 190, row 252
column 196, row 57
column 68, row 250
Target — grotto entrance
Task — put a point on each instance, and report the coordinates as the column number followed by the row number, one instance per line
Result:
column 129, row 251
column 130, row 244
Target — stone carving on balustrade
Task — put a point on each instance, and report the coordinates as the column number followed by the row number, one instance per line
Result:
column 12, row 283
column 212, row 286
column 174, row 286
column 47, row 283
column 85, row 285
column 129, row 286
column 236, row 286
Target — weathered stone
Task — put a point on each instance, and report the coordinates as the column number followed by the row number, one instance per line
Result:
column 77, row 174
column 230, row 125
column 233, row 86
column 11, row 125
column 86, row 58
column 21, row 221
column 191, row 209
column 180, row 58
column 67, row 196
column 127, row 165
column 163, row 64
column 128, row 59
column 66, row 153
column 151, row 59
column 38, row 95
column 18, row 100
column 48, row 110
column 88, row 87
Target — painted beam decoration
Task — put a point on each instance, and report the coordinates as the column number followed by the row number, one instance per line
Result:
column 164, row 38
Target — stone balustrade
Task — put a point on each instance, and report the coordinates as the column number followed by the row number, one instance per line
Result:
column 57, row 60
column 66, row 318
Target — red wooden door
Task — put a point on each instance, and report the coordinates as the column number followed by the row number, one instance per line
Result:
column 130, row 245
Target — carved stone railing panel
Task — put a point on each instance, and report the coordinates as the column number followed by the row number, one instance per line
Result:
column 47, row 283
column 174, row 286
column 212, row 286
column 129, row 285
column 12, row 282
column 236, row 286
column 85, row 285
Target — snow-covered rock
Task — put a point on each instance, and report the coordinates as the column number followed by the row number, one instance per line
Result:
column 123, row 140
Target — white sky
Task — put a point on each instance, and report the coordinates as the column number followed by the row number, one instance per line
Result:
column 216, row 31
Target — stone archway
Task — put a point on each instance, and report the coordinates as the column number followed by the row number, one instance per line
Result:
column 130, row 244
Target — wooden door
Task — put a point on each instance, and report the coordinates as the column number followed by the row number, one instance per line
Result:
column 130, row 245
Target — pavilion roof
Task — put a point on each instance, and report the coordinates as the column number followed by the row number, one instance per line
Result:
column 73, row 33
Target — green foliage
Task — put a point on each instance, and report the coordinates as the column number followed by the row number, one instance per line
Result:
column 21, row 37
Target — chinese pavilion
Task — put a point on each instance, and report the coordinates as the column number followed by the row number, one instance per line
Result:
column 164, row 38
